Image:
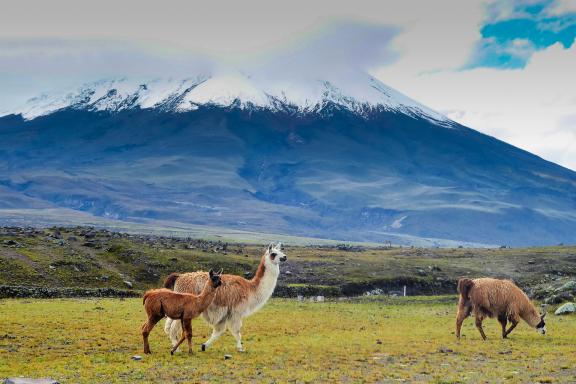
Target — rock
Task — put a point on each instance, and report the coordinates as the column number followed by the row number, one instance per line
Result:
column 128, row 284
column 566, row 309
column 531, row 262
column 319, row 299
column 52, row 267
column 569, row 286
column 25, row 380
column 445, row 350
column 227, row 357
column 288, row 273
column 300, row 298
column 137, row 357
column 378, row 341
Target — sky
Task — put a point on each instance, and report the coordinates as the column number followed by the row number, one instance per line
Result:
column 505, row 68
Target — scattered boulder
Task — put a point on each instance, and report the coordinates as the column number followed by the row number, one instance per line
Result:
column 566, row 309
column 227, row 357
column 25, row 380
column 137, row 357
column 569, row 286
column 128, row 284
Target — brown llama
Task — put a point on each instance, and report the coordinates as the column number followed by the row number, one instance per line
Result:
column 182, row 306
column 502, row 299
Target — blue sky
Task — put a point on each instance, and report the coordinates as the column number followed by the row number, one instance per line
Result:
column 509, row 41
column 502, row 67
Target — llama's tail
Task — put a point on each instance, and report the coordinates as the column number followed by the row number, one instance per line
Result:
column 464, row 286
column 171, row 280
column 146, row 295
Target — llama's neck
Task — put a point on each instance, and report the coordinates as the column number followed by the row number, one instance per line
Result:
column 206, row 296
column 531, row 316
column 263, row 284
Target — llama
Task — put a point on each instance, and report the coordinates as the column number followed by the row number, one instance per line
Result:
column 182, row 306
column 502, row 299
column 235, row 300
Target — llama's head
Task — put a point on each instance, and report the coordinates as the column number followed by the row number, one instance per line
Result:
column 541, row 326
column 215, row 278
column 274, row 254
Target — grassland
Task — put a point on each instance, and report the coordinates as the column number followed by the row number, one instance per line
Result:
column 365, row 341
column 87, row 258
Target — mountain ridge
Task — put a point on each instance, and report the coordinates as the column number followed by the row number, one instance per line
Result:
column 225, row 90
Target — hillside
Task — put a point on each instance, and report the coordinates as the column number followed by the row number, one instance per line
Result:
column 89, row 258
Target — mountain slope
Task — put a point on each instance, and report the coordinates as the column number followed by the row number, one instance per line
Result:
column 325, row 164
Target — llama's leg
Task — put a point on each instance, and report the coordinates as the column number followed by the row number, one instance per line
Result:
column 479, row 319
column 463, row 313
column 502, row 320
column 187, row 323
column 146, row 329
column 175, row 331
column 217, row 331
column 513, row 323
column 175, row 347
column 234, row 325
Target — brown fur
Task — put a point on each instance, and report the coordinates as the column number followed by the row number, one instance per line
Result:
column 170, row 280
column 234, row 289
column 179, row 306
column 494, row 298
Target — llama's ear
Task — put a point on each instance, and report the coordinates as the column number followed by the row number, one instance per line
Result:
column 270, row 247
column 543, row 316
column 279, row 246
column 220, row 271
column 211, row 273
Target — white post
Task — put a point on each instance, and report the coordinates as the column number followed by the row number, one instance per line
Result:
column 404, row 290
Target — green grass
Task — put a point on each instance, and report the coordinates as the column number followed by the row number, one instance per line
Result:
column 368, row 340
column 44, row 262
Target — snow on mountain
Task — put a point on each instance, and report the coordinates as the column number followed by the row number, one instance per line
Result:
column 361, row 94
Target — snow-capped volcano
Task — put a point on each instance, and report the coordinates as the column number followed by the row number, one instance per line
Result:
column 360, row 94
column 341, row 157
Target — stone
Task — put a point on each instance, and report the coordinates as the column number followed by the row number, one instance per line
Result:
column 137, row 357
column 569, row 286
column 445, row 350
column 319, row 299
column 25, row 380
column 128, row 284
column 227, row 357
column 566, row 309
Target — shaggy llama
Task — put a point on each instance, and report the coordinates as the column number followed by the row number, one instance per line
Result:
column 502, row 299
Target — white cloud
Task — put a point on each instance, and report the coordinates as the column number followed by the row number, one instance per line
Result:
column 531, row 108
column 564, row 6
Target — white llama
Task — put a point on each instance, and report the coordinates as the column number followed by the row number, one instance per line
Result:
column 236, row 299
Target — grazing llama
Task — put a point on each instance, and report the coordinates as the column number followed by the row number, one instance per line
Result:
column 501, row 299
column 182, row 306
column 235, row 300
